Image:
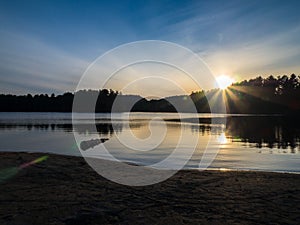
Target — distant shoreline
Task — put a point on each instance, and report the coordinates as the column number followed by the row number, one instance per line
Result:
column 255, row 96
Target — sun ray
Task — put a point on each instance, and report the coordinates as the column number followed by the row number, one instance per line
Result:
column 215, row 101
column 258, row 92
column 233, row 100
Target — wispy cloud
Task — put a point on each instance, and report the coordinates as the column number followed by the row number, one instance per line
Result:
column 242, row 39
column 32, row 66
column 263, row 56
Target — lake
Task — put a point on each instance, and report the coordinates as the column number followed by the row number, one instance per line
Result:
column 244, row 142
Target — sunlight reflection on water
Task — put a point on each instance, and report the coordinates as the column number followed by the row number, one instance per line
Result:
column 247, row 142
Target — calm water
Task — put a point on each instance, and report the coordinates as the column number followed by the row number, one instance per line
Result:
column 269, row 143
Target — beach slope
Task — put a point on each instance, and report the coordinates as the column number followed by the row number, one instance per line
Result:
column 65, row 190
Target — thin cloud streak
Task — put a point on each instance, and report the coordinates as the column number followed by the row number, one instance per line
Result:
column 32, row 65
column 240, row 41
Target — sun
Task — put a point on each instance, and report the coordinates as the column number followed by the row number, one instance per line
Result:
column 224, row 81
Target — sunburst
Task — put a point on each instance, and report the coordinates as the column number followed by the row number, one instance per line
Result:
column 224, row 81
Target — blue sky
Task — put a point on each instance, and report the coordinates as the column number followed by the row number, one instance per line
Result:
column 45, row 46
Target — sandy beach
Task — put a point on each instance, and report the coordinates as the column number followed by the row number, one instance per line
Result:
column 65, row 190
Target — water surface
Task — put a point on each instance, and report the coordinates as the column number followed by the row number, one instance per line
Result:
column 250, row 142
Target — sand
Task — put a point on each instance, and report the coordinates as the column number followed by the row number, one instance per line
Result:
column 65, row 190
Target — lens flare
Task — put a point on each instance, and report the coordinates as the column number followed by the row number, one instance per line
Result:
column 8, row 173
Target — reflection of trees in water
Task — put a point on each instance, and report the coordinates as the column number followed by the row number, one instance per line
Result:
column 27, row 126
column 106, row 128
column 102, row 128
column 262, row 131
column 207, row 129
column 202, row 125
column 265, row 131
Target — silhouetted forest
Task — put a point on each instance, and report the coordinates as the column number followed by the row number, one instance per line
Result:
column 265, row 95
column 260, row 95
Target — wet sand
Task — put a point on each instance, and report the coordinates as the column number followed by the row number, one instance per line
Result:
column 65, row 190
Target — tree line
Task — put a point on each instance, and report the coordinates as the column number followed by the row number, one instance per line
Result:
column 265, row 95
column 259, row 95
